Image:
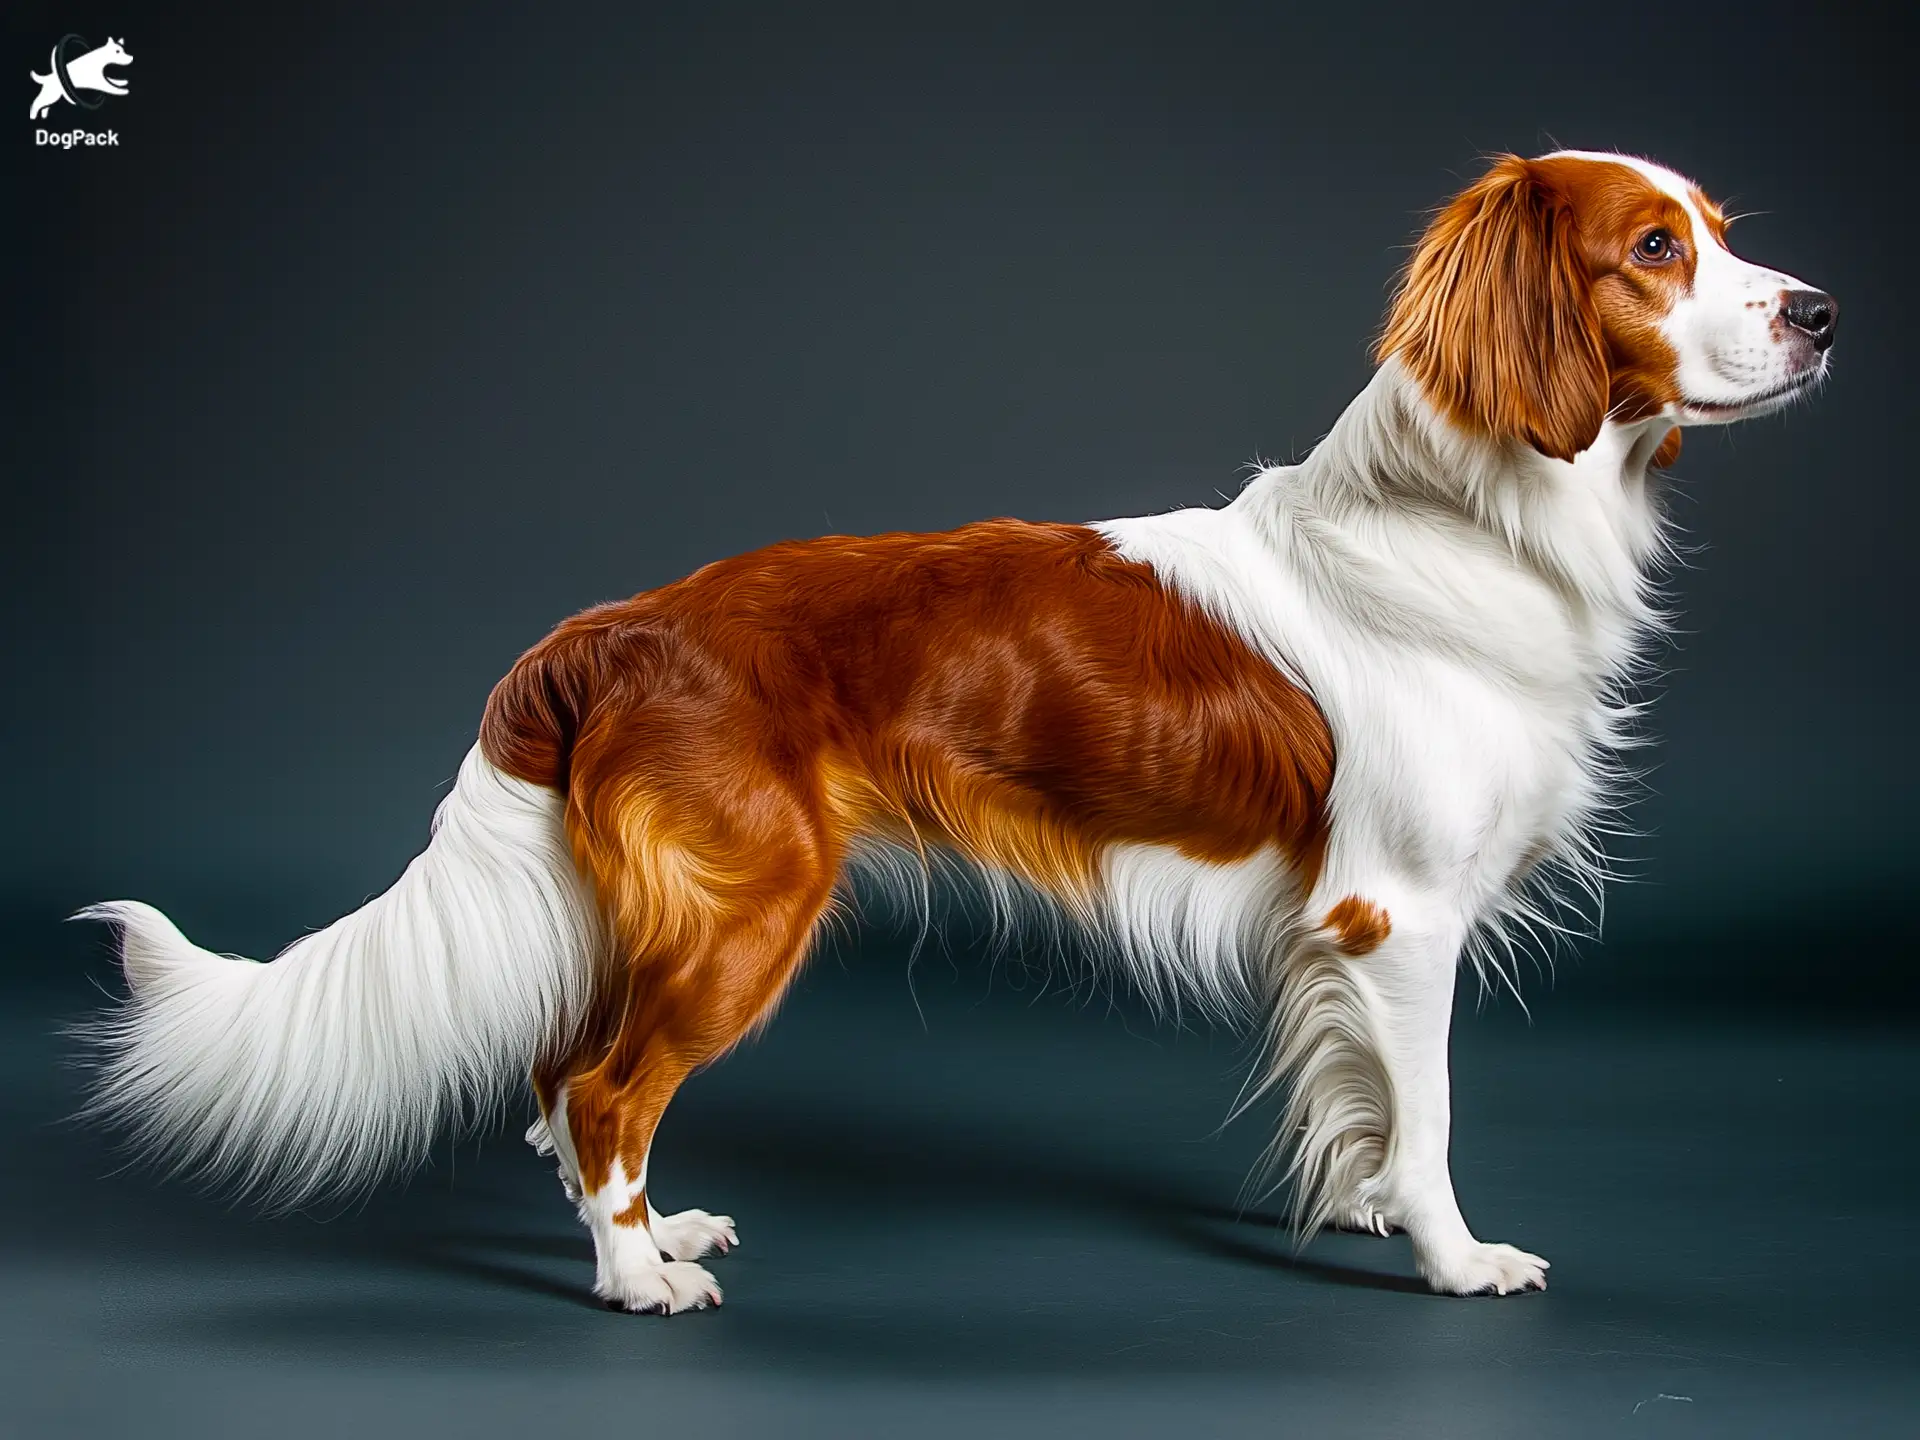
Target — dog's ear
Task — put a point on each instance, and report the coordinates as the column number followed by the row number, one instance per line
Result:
column 1495, row 317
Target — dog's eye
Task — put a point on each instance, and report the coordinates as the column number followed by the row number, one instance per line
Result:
column 1654, row 248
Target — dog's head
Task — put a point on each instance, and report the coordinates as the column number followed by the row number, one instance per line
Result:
column 1552, row 295
column 113, row 53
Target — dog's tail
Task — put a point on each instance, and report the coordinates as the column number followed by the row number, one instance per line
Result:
column 342, row 1058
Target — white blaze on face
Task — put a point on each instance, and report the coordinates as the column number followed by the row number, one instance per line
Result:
column 1735, row 354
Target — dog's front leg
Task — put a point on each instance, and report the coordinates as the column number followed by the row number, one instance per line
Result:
column 1366, row 1011
column 1413, row 973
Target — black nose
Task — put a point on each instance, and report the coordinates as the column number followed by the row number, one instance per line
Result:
column 1814, row 313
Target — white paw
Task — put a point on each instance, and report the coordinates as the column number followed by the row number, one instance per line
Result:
column 664, row 1288
column 693, row 1233
column 1480, row 1269
column 540, row 1137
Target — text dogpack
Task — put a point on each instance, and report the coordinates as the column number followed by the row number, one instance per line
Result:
column 68, row 139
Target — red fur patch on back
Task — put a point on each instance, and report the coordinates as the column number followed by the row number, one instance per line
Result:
column 1018, row 693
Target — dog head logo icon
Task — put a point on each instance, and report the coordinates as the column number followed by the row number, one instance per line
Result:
column 75, row 70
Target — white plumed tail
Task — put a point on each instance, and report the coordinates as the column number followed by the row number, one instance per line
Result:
column 342, row 1059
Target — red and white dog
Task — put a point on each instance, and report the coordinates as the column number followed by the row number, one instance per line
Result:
column 1297, row 756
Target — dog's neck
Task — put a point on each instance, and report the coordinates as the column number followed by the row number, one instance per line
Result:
column 1412, row 492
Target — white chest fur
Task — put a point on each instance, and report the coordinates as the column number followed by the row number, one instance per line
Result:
column 1464, row 616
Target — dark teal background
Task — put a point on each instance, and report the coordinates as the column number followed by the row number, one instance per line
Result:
column 390, row 335
column 382, row 344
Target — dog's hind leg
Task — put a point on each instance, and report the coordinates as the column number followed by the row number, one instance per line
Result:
column 687, row 1235
column 608, row 1115
column 691, row 1234
column 713, row 888
column 678, row 1018
column 548, row 1135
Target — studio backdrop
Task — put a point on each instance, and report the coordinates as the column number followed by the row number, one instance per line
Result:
column 375, row 343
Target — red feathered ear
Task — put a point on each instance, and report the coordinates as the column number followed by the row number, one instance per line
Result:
column 1496, row 318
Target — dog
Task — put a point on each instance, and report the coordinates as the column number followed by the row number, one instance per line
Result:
column 1292, row 759
column 87, row 72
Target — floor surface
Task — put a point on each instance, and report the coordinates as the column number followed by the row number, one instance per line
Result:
column 967, row 1208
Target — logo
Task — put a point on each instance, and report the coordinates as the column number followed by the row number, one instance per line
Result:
column 78, row 77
